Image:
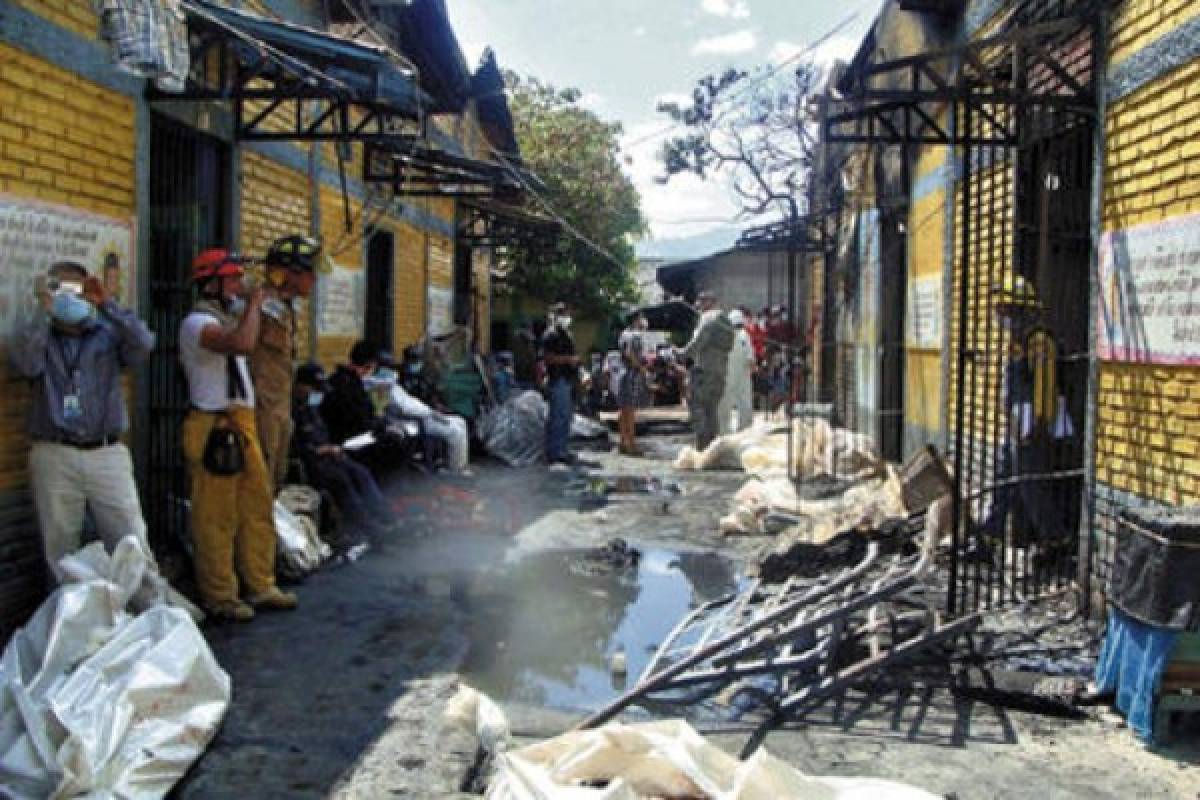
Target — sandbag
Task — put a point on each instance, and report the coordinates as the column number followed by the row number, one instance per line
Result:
column 667, row 759
column 100, row 702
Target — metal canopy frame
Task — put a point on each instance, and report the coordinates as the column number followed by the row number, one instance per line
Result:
column 497, row 226
column 1045, row 64
column 341, row 91
column 413, row 169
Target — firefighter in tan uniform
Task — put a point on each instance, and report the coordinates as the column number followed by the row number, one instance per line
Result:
column 291, row 266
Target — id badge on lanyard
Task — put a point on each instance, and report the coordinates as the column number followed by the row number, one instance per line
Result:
column 72, row 410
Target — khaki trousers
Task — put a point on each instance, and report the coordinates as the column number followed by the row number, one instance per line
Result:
column 67, row 481
column 275, row 436
column 232, row 516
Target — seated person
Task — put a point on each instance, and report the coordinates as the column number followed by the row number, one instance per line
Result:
column 380, row 385
column 349, row 412
column 448, row 430
column 417, row 380
column 329, row 469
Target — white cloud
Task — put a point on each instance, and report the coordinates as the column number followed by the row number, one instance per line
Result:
column 837, row 47
column 731, row 43
column 640, row 31
column 687, row 205
column 731, row 9
column 593, row 101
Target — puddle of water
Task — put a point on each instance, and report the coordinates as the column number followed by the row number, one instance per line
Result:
column 543, row 630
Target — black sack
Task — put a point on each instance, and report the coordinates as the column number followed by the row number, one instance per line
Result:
column 224, row 452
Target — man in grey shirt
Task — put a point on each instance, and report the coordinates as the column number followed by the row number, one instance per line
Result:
column 73, row 351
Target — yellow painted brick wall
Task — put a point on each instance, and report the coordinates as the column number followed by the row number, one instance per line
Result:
column 1148, row 416
column 62, row 140
column 275, row 202
column 409, row 283
column 345, row 248
column 76, row 16
column 1137, row 23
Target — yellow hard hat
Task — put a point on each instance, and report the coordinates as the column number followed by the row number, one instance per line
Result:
column 1017, row 292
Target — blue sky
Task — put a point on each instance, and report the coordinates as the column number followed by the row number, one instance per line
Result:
column 626, row 55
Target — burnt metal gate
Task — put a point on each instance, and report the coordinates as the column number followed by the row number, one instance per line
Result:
column 188, row 202
column 1018, row 105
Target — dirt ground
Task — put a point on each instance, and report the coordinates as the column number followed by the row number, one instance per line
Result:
column 344, row 697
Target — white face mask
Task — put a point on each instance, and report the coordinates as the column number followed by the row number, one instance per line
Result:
column 236, row 305
column 316, row 398
column 564, row 322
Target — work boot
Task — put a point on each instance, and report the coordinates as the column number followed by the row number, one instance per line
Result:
column 230, row 611
column 274, row 598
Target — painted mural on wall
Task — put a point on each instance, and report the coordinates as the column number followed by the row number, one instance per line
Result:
column 1150, row 293
column 34, row 235
column 341, row 302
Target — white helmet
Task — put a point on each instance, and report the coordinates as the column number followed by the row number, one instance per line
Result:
column 737, row 318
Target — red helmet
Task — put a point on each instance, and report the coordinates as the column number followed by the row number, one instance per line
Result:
column 216, row 263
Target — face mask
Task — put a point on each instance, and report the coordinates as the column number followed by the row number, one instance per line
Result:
column 316, row 398
column 415, row 367
column 386, row 376
column 564, row 323
column 236, row 305
column 70, row 309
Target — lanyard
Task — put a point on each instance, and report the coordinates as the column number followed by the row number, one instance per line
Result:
column 71, row 366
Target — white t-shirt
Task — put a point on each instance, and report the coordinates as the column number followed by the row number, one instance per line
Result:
column 205, row 370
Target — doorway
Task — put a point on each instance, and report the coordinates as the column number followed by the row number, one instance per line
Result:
column 380, row 323
column 189, row 202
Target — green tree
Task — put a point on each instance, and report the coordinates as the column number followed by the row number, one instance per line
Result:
column 577, row 157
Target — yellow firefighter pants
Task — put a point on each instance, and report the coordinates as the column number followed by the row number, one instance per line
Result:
column 232, row 516
column 275, row 435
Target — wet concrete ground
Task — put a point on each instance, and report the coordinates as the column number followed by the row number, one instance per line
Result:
column 344, row 696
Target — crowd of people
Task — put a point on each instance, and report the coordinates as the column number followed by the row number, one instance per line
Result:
column 257, row 419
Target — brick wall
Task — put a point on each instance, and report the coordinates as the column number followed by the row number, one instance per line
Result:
column 275, row 203
column 345, row 248
column 76, row 16
column 409, row 283
column 1148, row 416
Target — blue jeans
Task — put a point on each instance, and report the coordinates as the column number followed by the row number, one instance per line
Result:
column 558, row 420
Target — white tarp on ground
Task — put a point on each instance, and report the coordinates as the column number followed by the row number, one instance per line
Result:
column 772, row 506
column 667, row 759
column 819, row 450
column 99, row 702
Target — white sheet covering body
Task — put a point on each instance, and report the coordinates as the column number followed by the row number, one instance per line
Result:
column 100, row 702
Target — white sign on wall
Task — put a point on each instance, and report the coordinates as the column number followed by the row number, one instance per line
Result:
column 341, row 302
column 1150, row 293
column 924, row 313
column 34, row 235
column 441, row 311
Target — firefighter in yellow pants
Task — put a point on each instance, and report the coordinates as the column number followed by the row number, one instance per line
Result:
column 232, row 506
column 240, row 505
column 291, row 265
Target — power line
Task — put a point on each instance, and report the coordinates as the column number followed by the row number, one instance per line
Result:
column 759, row 80
column 549, row 209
